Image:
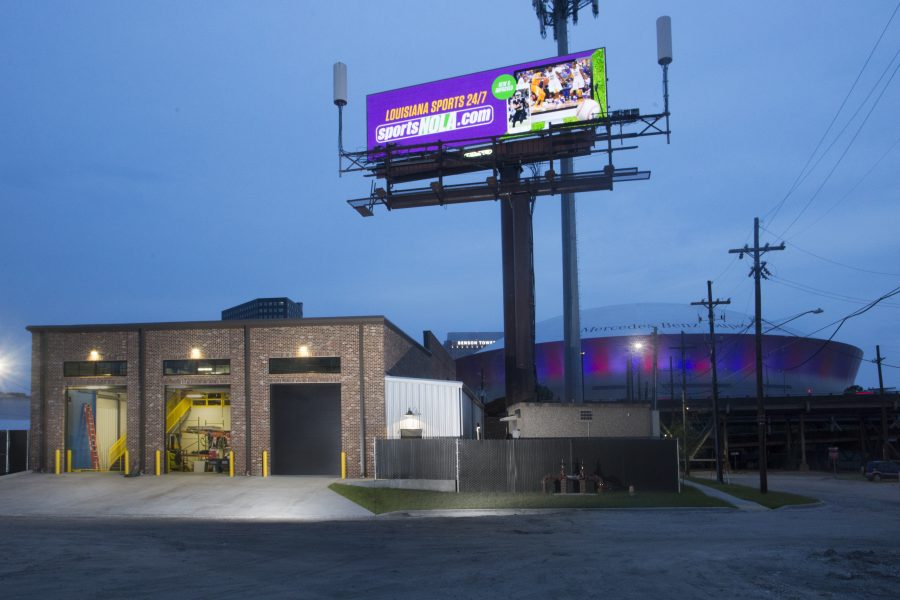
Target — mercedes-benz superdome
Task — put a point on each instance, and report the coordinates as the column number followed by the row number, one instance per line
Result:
column 617, row 345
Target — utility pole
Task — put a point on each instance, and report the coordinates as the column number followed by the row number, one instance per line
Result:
column 555, row 14
column 884, row 424
column 655, row 366
column 671, row 379
column 758, row 271
column 709, row 303
column 682, row 347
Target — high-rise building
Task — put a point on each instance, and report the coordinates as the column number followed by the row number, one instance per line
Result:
column 265, row 308
column 464, row 343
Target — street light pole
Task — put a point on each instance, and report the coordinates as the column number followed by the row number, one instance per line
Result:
column 582, row 375
column 815, row 311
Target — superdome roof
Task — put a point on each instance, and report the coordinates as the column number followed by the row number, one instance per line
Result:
column 640, row 319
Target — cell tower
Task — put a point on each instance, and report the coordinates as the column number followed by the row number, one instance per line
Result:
column 498, row 122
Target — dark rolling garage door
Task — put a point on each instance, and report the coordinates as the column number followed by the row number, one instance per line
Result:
column 306, row 429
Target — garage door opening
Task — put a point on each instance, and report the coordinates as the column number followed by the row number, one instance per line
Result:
column 306, row 429
column 95, row 428
column 198, row 429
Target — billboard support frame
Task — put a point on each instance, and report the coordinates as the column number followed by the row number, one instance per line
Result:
column 578, row 135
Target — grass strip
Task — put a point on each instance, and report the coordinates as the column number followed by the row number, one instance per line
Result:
column 769, row 500
column 383, row 500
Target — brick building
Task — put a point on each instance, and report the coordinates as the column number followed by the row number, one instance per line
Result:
column 303, row 390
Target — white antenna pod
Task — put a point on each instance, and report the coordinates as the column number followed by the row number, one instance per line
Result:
column 340, row 84
column 664, row 40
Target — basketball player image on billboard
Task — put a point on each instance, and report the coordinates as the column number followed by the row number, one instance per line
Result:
column 555, row 93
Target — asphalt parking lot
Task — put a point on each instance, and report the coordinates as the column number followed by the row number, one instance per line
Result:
column 845, row 548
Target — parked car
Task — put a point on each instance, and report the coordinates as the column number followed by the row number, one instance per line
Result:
column 877, row 470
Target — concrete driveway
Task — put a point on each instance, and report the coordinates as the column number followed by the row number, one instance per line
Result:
column 174, row 496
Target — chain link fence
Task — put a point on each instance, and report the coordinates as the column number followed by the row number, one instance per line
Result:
column 521, row 465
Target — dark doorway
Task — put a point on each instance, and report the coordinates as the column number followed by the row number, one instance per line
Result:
column 306, row 429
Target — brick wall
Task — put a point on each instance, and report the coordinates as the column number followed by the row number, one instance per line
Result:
column 327, row 340
column 385, row 349
column 61, row 347
column 161, row 345
column 404, row 357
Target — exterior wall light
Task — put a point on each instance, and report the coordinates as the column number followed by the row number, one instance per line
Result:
column 195, row 353
column 303, row 351
column 94, row 355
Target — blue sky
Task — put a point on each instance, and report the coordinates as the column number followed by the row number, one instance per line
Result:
column 162, row 161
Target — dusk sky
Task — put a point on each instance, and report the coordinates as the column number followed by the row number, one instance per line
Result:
column 161, row 161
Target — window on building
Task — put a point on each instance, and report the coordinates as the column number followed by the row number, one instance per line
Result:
column 202, row 366
column 305, row 364
column 95, row 368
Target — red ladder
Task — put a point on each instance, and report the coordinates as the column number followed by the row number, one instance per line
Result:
column 92, row 436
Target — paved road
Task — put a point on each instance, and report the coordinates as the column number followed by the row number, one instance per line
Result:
column 844, row 549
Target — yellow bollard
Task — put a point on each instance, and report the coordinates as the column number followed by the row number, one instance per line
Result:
column 265, row 464
column 157, row 463
column 126, row 463
column 68, row 461
column 231, row 463
column 56, row 467
column 343, row 465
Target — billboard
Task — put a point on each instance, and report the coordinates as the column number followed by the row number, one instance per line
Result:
column 511, row 100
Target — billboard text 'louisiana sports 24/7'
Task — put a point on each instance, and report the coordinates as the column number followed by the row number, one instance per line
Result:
column 511, row 100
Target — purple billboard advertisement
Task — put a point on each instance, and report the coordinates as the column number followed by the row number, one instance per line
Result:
column 507, row 101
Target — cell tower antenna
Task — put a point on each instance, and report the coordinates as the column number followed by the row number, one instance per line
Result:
column 555, row 14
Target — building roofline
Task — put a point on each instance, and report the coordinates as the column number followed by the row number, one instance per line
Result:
column 235, row 324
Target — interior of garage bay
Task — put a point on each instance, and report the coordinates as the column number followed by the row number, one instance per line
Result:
column 198, row 429
column 95, row 428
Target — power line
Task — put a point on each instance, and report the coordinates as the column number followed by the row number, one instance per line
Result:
column 824, row 293
column 801, row 175
column 852, row 189
column 852, row 117
column 840, row 323
column 846, row 149
column 840, row 264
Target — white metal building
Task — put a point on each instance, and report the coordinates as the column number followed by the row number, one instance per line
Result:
column 430, row 408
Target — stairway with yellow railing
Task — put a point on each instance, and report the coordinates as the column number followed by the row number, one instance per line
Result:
column 116, row 451
column 177, row 413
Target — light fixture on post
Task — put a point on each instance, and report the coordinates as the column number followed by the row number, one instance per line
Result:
column 636, row 348
column 410, row 426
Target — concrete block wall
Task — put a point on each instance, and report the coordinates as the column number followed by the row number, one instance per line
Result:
column 549, row 420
